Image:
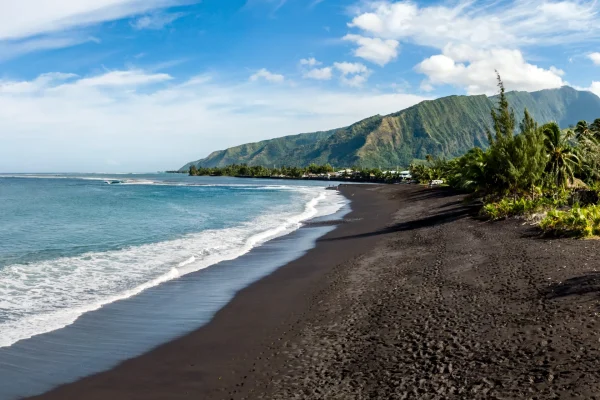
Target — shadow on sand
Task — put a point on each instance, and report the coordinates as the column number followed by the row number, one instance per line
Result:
column 578, row 286
column 432, row 193
column 432, row 220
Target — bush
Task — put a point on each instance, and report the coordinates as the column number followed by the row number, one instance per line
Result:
column 512, row 207
column 578, row 221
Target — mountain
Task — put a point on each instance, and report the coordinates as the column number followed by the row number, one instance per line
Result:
column 443, row 127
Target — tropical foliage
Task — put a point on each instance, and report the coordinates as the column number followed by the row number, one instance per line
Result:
column 529, row 169
column 578, row 221
column 313, row 171
column 259, row 171
column 526, row 167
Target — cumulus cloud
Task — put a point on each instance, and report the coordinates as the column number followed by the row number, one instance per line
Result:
column 147, row 122
column 310, row 62
column 595, row 88
column 347, row 68
column 323, row 74
column 474, row 38
column 352, row 74
column 376, row 50
column 475, row 70
column 267, row 76
column 310, row 72
column 595, row 57
column 481, row 24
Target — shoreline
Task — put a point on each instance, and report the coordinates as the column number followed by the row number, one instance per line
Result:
column 236, row 334
column 412, row 298
column 99, row 340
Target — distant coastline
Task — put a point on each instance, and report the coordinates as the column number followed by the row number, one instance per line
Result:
column 313, row 172
column 348, row 179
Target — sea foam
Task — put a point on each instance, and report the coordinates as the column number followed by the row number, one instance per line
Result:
column 48, row 295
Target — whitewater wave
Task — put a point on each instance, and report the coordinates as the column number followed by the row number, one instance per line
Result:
column 49, row 295
column 152, row 182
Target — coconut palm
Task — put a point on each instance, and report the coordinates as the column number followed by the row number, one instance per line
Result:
column 595, row 128
column 582, row 129
column 469, row 171
column 562, row 159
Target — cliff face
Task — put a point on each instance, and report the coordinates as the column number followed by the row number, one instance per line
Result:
column 447, row 126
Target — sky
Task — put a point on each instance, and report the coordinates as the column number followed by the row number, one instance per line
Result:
column 148, row 85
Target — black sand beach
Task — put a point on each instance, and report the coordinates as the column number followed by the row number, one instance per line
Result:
column 410, row 298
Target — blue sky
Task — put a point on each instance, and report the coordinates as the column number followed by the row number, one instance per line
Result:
column 130, row 85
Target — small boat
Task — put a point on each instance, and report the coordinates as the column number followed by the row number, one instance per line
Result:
column 113, row 182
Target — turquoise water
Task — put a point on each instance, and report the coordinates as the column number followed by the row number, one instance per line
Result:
column 74, row 244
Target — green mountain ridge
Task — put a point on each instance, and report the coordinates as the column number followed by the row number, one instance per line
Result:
column 447, row 126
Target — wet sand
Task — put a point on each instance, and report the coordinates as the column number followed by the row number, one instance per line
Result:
column 411, row 298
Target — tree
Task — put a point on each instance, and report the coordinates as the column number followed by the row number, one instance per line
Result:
column 530, row 154
column 595, row 128
column 562, row 159
column 588, row 152
column 193, row 170
column 514, row 163
column 582, row 129
column 503, row 116
column 468, row 172
column 500, row 161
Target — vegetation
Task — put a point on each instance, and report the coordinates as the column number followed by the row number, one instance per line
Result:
column 578, row 221
column 510, row 207
column 446, row 127
column 532, row 169
column 313, row 171
column 520, row 168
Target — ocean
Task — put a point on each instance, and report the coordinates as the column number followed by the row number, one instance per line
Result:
column 98, row 268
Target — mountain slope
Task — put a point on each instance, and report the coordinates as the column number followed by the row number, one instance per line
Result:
column 443, row 127
column 260, row 153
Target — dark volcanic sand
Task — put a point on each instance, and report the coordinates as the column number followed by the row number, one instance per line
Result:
column 415, row 299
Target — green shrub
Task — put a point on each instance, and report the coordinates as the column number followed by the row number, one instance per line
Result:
column 578, row 221
column 508, row 207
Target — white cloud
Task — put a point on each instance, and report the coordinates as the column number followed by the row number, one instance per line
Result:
column 475, row 71
column 476, row 37
column 310, row 62
column 595, row 88
column 268, row 76
column 124, row 78
column 556, row 71
column 25, row 18
column 595, row 57
column 347, row 68
column 148, row 128
column 354, row 80
column 353, row 74
column 323, row 74
column 376, row 50
column 155, row 21
column 14, row 48
column 43, row 81
column 482, row 24
column 33, row 25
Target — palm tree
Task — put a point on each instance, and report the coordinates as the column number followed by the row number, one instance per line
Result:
column 582, row 129
column 562, row 160
column 595, row 128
